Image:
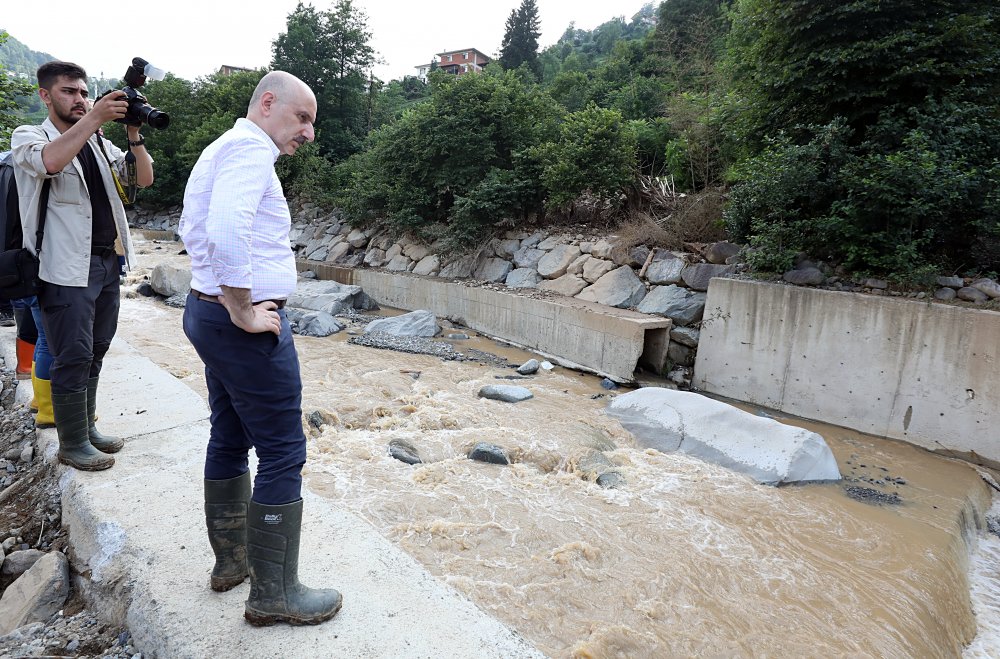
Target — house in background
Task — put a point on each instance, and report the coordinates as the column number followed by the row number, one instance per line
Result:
column 456, row 62
column 228, row 70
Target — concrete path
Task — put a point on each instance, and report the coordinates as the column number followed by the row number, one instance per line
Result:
column 138, row 535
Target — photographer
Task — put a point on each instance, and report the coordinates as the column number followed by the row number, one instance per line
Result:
column 85, row 230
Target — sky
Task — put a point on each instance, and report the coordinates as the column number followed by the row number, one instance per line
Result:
column 192, row 38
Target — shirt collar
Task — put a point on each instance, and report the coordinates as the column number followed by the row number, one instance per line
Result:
column 247, row 125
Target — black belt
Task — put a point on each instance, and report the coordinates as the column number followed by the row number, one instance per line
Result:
column 103, row 252
column 215, row 298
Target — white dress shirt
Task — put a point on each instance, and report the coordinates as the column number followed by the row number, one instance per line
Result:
column 235, row 221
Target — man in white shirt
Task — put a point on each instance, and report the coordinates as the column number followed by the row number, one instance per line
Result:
column 235, row 227
column 64, row 165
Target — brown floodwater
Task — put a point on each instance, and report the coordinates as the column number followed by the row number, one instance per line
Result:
column 686, row 559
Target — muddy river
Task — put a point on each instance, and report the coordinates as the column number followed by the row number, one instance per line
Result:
column 687, row 559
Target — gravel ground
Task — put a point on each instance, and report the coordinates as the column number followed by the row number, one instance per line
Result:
column 31, row 518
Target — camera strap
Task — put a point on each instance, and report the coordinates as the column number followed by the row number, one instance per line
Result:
column 127, row 197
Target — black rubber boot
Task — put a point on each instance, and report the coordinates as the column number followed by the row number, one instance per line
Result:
column 273, row 557
column 226, row 504
column 103, row 443
column 75, row 449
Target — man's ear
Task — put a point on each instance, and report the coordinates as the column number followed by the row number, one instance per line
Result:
column 266, row 101
column 44, row 95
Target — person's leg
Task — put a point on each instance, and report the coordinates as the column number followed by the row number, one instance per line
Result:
column 260, row 373
column 106, row 307
column 27, row 336
column 68, row 318
column 40, row 370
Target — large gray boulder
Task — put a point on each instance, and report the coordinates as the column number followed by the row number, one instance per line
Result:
column 568, row 285
column 680, row 305
column 594, row 269
column 170, row 280
column 528, row 257
column 665, row 271
column 619, row 288
column 37, row 595
column 328, row 296
column 460, row 268
column 399, row 263
column 415, row 323
column 506, row 393
column 429, row 265
column 523, row 278
column 494, row 270
column 554, row 264
column 16, row 564
column 768, row 451
column 313, row 323
column 698, row 275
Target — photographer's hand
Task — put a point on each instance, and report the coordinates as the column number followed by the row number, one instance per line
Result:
column 110, row 107
column 59, row 152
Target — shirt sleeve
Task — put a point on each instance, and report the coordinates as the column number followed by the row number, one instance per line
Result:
column 26, row 143
column 243, row 173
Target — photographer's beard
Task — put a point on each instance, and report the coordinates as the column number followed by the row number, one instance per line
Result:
column 69, row 114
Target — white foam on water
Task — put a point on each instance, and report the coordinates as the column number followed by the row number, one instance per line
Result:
column 984, row 578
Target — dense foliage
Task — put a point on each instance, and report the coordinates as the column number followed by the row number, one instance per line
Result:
column 12, row 88
column 865, row 134
column 868, row 132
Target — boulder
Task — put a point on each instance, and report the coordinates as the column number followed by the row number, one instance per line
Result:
column 493, row 269
column 551, row 243
column 970, row 294
column 394, row 250
column 506, row 393
column 415, row 323
column 680, row 354
column 357, row 238
column 16, row 564
column 416, row 251
column 719, row 253
column 491, row 453
column 528, row 257
column 37, row 595
column 594, row 269
column 336, row 252
column 404, row 452
column 768, row 451
column 529, row 367
column 523, row 278
column 399, row 263
column 460, row 268
column 602, row 248
column 568, row 285
column 328, row 296
column 945, row 294
column 505, row 249
column 429, row 265
column 619, row 288
column 576, row 267
column 805, row 277
column 988, row 286
column 698, row 275
column 313, row 323
column 951, row 282
column 169, row 280
column 680, row 305
column 375, row 257
column 318, row 254
column 686, row 336
column 665, row 271
column 554, row 264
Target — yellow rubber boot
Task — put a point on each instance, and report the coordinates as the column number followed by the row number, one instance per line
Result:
column 43, row 397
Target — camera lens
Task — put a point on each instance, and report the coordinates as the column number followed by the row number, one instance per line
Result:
column 157, row 119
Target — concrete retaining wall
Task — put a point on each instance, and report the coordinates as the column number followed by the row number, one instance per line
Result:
column 921, row 372
column 571, row 332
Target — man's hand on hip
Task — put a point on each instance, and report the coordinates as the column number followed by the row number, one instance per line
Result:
column 249, row 317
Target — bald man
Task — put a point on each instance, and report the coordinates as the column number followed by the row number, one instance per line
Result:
column 235, row 228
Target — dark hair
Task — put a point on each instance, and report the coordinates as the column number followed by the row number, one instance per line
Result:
column 49, row 72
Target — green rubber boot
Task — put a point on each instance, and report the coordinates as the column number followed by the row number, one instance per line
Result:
column 103, row 443
column 75, row 449
column 226, row 515
column 273, row 557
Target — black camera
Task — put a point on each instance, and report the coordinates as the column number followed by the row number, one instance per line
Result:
column 139, row 110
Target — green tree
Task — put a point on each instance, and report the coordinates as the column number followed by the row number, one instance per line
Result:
column 595, row 153
column 12, row 88
column 331, row 52
column 520, row 40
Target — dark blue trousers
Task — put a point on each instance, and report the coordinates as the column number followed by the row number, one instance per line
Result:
column 255, row 393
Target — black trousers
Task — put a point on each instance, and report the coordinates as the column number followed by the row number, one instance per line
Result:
column 79, row 323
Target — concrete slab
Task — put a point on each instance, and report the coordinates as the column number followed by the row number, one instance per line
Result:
column 137, row 535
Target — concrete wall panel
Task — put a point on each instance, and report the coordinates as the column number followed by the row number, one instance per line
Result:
column 906, row 369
